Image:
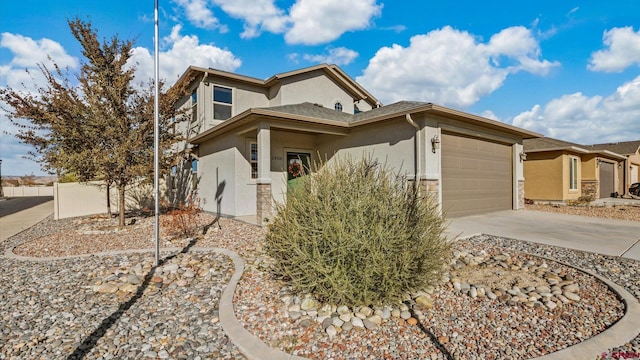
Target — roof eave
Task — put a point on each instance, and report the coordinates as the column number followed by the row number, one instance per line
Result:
column 248, row 114
column 560, row 148
column 460, row 115
column 609, row 153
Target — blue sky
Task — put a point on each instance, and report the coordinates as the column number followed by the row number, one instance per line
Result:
column 569, row 70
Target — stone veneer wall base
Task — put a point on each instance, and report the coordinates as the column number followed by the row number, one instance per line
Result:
column 264, row 204
column 520, row 204
column 590, row 187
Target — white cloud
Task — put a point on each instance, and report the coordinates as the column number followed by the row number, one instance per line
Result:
column 623, row 50
column 308, row 22
column 451, row 67
column 199, row 15
column 318, row 22
column 338, row 56
column 490, row 115
column 258, row 15
column 27, row 53
column 179, row 52
column 587, row 120
column 396, row 28
column 12, row 152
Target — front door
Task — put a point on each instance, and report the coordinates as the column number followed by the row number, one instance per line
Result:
column 298, row 164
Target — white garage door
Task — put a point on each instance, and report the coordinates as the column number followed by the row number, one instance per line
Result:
column 477, row 176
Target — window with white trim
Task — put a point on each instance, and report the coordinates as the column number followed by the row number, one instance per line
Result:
column 253, row 159
column 222, row 102
column 338, row 106
column 573, row 173
column 194, row 104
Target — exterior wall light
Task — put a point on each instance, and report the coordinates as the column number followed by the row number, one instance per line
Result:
column 523, row 156
column 435, row 143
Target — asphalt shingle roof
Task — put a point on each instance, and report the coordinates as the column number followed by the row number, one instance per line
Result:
column 399, row 107
column 311, row 110
column 319, row 112
column 547, row 143
column 624, row 148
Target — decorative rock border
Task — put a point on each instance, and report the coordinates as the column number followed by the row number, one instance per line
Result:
column 253, row 348
column 618, row 334
column 551, row 287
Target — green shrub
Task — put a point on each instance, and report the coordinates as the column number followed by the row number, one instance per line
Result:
column 354, row 233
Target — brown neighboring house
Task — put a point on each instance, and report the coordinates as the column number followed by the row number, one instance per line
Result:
column 631, row 167
column 557, row 170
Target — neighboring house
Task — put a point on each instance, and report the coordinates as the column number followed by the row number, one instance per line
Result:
column 253, row 136
column 558, row 170
column 631, row 166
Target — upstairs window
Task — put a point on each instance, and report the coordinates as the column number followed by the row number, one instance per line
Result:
column 356, row 109
column 222, row 102
column 194, row 104
column 338, row 106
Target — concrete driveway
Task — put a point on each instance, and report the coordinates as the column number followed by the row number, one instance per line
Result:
column 603, row 236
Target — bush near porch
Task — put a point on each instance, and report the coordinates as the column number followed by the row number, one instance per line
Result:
column 354, row 233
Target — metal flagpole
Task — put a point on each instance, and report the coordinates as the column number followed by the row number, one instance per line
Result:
column 156, row 134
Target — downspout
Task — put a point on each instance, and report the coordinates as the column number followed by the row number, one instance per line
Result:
column 416, row 154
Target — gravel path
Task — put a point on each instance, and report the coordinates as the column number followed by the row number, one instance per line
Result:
column 65, row 308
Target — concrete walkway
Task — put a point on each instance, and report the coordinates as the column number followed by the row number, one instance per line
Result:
column 602, row 236
column 22, row 220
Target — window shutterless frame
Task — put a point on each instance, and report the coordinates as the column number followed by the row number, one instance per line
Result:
column 573, row 173
column 222, row 102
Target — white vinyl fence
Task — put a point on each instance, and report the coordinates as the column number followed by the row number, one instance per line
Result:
column 76, row 199
column 81, row 199
column 22, row 191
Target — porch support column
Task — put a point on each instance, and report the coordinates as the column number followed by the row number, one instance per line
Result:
column 518, row 177
column 431, row 177
column 264, row 202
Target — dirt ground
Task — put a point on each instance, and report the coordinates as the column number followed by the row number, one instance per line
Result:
column 631, row 213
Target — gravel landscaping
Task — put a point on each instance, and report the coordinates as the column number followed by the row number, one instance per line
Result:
column 621, row 212
column 118, row 306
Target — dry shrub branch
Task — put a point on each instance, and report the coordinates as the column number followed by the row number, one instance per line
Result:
column 355, row 233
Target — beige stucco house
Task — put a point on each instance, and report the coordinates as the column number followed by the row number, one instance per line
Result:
column 252, row 136
column 558, row 170
column 631, row 166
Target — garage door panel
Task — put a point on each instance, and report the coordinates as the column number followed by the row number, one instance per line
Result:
column 607, row 179
column 477, row 175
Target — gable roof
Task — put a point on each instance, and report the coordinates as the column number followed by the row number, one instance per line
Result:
column 332, row 71
column 550, row 144
column 309, row 113
column 624, row 147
